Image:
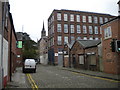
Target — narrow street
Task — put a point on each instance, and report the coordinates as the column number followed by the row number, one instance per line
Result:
column 56, row 77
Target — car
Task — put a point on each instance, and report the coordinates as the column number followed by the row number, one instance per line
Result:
column 29, row 65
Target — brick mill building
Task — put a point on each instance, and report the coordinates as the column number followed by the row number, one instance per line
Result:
column 65, row 26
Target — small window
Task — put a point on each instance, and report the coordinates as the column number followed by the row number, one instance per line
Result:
column 106, row 19
column 84, row 29
column 107, row 32
column 96, row 30
column 78, row 29
column 72, row 17
column 66, row 39
column 65, row 17
column 78, row 18
column 84, row 18
column 78, row 38
column 90, row 30
column 96, row 38
column 91, row 38
column 72, row 38
column 58, row 16
column 84, row 38
column 72, row 28
column 90, row 19
column 101, row 20
column 65, row 28
column 95, row 19
column 58, row 27
column 59, row 39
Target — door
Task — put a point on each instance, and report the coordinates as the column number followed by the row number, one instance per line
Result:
column 60, row 59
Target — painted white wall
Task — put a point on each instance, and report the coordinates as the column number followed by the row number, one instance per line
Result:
column 44, row 59
column 5, row 57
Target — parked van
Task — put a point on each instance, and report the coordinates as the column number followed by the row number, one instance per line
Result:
column 29, row 65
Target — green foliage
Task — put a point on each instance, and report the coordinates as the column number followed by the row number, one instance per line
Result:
column 29, row 49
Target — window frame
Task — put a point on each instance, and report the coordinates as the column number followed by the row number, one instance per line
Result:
column 72, row 17
column 72, row 29
column 78, row 29
column 84, row 29
column 59, row 28
column 84, row 19
column 59, row 40
column 65, row 17
column 59, row 16
column 77, row 18
column 66, row 29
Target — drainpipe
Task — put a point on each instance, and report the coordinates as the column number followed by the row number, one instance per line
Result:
column 10, row 69
column 84, row 59
column 69, row 57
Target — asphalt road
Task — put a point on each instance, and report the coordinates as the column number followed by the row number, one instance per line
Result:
column 55, row 77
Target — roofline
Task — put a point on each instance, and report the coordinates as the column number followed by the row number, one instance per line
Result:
column 83, row 45
column 110, row 20
column 78, row 11
column 82, row 11
column 12, row 25
column 93, row 45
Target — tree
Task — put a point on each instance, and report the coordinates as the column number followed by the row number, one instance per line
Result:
column 29, row 49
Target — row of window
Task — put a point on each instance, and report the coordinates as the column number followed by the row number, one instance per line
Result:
column 59, row 39
column 91, row 19
column 66, row 39
column 78, row 29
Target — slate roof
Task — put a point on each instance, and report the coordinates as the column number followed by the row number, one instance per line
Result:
column 84, row 43
column 70, row 44
column 89, row 43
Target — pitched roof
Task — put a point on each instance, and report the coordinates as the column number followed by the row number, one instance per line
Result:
column 70, row 44
column 118, row 17
column 89, row 43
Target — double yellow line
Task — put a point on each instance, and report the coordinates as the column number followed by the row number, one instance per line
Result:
column 32, row 82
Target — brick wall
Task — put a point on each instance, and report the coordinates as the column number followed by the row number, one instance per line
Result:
column 111, row 59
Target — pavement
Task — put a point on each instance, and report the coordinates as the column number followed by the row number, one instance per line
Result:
column 19, row 79
column 93, row 73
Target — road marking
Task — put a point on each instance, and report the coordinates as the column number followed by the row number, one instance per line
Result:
column 32, row 82
column 97, row 77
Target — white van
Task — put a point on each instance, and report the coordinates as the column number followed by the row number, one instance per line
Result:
column 30, row 65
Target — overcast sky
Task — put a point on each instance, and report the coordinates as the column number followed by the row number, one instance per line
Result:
column 31, row 13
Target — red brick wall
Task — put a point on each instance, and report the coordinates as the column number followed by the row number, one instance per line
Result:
column 19, row 60
column 111, row 59
column 78, row 50
column 13, row 48
column 95, row 50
